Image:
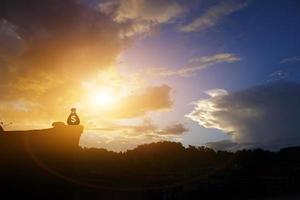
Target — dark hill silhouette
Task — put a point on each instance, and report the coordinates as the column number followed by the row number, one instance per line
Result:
column 49, row 164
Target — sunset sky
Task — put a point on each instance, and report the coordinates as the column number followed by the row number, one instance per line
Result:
column 219, row 73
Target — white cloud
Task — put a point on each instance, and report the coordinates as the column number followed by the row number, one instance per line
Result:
column 216, row 92
column 290, row 60
column 214, row 15
column 141, row 16
column 220, row 57
column 262, row 116
column 197, row 64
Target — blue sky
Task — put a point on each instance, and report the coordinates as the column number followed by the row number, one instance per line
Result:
column 262, row 33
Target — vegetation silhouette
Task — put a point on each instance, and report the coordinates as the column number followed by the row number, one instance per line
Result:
column 49, row 164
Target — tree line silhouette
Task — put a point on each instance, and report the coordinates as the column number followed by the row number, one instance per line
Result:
column 162, row 170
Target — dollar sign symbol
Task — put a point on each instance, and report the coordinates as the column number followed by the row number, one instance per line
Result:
column 73, row 119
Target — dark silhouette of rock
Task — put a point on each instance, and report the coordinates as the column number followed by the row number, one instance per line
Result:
column 57, row 139
column 73, row 118
column 54, row 146
column 58, row 124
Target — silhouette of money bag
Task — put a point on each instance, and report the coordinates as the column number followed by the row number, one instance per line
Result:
column 73, row 118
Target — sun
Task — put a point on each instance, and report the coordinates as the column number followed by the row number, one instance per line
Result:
column 103, row 97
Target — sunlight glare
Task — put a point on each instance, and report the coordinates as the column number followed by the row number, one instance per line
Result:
column 103, row 97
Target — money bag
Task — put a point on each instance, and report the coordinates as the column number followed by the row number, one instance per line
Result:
column 73, row 118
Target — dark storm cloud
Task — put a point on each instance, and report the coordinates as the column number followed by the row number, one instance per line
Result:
column 262, row 116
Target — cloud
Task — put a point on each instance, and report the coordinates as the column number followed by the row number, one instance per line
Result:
column 146, row 127
column 47, row 48
column 175, row 129
column 155, row 98
column 197, row 64
column 11, row 42
column 53, row 39
column 141, row 16
column 290, row 60
column 214, row 15
column 50, row 44
column 229, row 145
column 222, row 145
column 216, row 92
column 119, row 137
column 262, row 116
column 278, row 75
